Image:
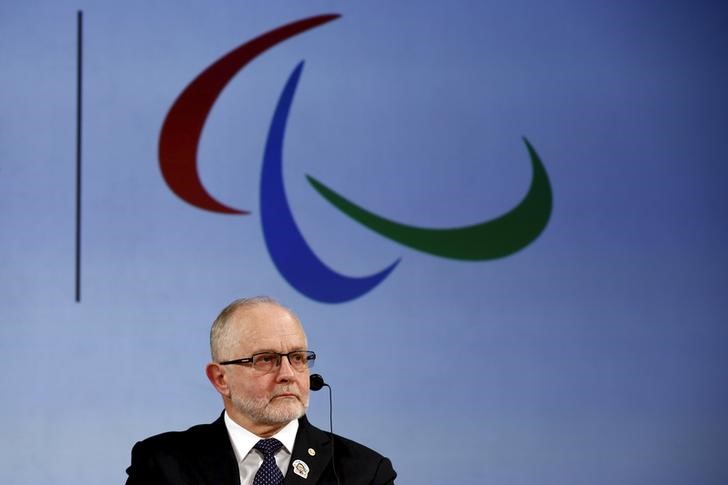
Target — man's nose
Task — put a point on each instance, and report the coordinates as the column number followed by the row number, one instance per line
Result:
column 285, row 370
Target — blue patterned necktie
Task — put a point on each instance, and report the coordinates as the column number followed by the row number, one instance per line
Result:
column 268, row 473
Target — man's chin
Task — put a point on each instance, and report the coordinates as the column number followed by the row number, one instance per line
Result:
column 285, row 409
column 279, row 410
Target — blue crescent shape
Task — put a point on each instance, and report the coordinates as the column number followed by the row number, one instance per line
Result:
column 288, row 249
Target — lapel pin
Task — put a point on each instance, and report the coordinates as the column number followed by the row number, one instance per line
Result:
column 300, row 468
column 312, row 452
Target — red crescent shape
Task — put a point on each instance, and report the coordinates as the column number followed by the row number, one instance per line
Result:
column 183, row 125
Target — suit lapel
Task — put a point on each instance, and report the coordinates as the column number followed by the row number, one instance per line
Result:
column 313, row 449
column 217, row 464
column 216, row 457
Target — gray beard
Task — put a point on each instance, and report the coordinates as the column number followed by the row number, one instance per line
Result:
column 263, row 412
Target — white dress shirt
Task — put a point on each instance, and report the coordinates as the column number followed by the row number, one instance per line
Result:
column 250, row 459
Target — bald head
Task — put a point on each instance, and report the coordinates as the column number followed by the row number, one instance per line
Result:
column 243, row 319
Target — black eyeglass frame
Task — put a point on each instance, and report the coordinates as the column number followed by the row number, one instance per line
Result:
column 310, row 358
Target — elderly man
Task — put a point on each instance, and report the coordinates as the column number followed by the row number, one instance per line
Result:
column 260, row 366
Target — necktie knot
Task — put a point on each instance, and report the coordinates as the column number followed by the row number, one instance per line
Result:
column 268, row 473
column 268, row 446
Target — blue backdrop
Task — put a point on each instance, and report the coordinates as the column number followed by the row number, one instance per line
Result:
column 595, row 355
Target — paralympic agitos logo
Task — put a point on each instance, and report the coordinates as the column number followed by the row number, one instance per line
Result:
column 291, row 254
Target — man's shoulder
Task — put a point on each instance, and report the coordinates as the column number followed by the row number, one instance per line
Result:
column 195, row 436
column 352, row 458
column 345, row 445
column 342, row 444
column 193, row 432
column 200, row 454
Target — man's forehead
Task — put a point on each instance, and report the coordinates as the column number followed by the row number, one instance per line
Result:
column 266, row 321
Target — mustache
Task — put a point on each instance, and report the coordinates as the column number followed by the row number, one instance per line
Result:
column 285, row 391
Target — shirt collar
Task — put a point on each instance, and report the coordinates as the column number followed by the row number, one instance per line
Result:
column 243, row 440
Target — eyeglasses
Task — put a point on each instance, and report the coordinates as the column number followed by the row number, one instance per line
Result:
column 265, row 362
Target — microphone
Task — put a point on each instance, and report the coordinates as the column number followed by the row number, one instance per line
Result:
column 316, row 383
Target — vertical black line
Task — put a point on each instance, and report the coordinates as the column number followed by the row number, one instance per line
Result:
column 79, row 85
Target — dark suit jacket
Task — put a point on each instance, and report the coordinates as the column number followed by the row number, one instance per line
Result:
column 204, row 455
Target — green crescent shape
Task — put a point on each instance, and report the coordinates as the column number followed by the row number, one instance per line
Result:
column 492, row 239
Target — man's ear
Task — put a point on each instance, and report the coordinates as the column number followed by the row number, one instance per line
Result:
column 216, row 375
